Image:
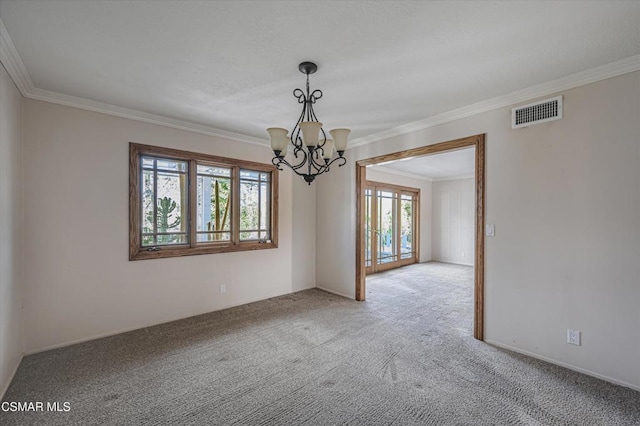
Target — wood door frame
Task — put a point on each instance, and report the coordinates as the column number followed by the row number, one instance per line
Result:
column 415, row 226
column 477, row 141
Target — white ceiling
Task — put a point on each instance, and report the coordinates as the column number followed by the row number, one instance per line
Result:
column 446, row 165
column 233, row 65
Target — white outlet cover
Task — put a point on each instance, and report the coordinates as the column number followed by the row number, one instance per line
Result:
column 573, row 337
column 490, row 230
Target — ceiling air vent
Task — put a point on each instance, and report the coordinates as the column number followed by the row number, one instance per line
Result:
column 538, row 112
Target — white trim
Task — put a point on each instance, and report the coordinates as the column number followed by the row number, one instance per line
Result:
column 337, row 293
column 564, row 364
column 6, row 386
column 13, row 62
column 450, row 262
column 18, row 72
column 471, row 176
column 593, row 75
column 86, row 104
column 15, row 67
column 417, row 176
column 140, row 327
column 399, row 172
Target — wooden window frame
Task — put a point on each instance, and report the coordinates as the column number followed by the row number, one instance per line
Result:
column 137, row 252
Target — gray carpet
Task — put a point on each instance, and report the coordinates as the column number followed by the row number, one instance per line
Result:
column 406, row 356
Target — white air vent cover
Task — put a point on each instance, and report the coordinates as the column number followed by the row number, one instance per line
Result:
column 538, row 112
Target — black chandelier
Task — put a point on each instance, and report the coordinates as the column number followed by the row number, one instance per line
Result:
column 313, row 153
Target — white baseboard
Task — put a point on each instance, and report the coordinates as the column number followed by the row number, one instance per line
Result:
column 126, row 330
column 6, row 385
column 451, row 263
column 337, row 293
column 564, row 364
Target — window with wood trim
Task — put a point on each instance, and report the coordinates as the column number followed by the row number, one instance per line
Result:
column 183, row 203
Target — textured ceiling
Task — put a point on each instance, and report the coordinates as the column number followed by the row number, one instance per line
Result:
column 446, row 165
column 233, row 65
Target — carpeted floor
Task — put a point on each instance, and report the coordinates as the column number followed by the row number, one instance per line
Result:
column 406, row 356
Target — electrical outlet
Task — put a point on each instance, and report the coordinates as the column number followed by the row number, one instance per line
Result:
column 573, row 337
column 223, row 288
column 490, row 230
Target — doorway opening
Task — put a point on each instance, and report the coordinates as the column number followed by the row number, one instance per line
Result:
column 478, row 142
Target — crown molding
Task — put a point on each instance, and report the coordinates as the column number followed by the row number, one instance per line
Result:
column 459, row 177
column 13, row 62
column 389, row 170
column 582, row 78
column 89, row 105
column 18, row 72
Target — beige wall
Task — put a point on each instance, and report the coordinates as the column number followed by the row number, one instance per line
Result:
column 565, row 200
column 563, row 196
column 453, row 221
column 304, row 233
column 425, row 204
column 79, row 282
column 11, row 231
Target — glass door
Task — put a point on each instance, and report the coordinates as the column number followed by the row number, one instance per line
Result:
column 390, row 226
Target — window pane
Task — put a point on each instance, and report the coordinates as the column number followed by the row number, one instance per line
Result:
column 213, row 170
column 171, row 165
column 148, row 197
column 164, row 202
column 204, row 237
column 164, row 239
column 249, row 236
column 171, row 200
column 387, row 246
column 406, row 226
column 168, row 239
column 214, row 206
column 249, row 174
column 249, row 210
column 367, row 227
column 264, row 209
column 255, row 205
column 164, row 164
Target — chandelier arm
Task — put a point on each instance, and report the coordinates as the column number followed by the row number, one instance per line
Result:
column 342, row 163
column 299, row 94
column 326, row 166
column 293, row 168
column 296, row 140
column 277, row 161
column 302, row 162
column 297, row 149
column 317, row 163
column 315, row 95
